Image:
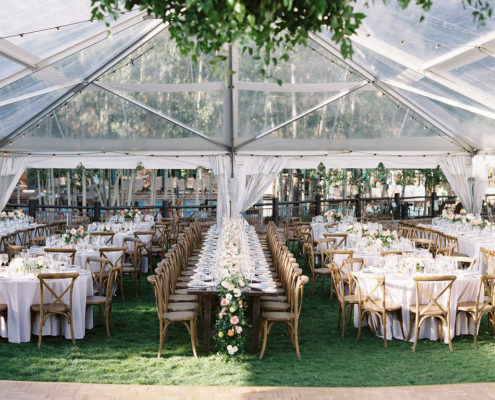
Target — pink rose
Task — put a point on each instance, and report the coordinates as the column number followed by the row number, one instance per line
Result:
column 238, row 329
column 234, row 320
column 224, row 302
column 73, row 231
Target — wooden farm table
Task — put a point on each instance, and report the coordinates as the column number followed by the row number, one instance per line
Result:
column 210, row 303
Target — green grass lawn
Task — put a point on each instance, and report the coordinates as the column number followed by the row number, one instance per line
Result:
column 129, row 355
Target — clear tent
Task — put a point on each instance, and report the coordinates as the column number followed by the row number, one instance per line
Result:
column 414, row 95
column 66, row 86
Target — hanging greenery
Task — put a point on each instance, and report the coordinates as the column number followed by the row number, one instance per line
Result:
column 266, row 29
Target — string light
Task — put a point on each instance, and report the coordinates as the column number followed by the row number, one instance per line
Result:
column 58, row 27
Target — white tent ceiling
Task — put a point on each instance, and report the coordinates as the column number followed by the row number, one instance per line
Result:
column 413, row 92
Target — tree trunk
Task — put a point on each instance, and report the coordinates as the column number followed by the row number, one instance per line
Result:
column 130, row 188
column 38, row 182
column 153, row 187
column 165, row 186
column 83, row 184
column 68, row 183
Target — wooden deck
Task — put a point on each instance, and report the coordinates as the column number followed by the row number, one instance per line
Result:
column 78, row 391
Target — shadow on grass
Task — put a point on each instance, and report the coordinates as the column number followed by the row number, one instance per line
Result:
column 129, row 354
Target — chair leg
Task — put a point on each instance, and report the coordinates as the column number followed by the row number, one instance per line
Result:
column 122, row 285
column 108, row 311
column 296, row 339
column 448, row 333
column 384, row 327
column 193, row 338
column 360, row 323
column 265, row 337
column 71, row 325
column 162, row 339
column 313, row 286
column 40, row 335
column 416, row 331
column 410, row 327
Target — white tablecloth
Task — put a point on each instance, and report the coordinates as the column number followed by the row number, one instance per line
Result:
column 20, row 293
column 401, row 289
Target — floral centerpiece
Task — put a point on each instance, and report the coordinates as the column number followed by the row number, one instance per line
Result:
column 231, row 324
column 75, row 235
column 11, row 215
column 334, row 215
column 131, row 214
column 386, row 237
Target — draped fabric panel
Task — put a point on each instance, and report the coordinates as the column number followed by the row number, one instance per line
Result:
column 221, row 168
column 256, row 176
column 11, row 170
column 468, row 177
column 252, row 176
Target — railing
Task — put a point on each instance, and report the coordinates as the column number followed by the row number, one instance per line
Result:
column 385, row 208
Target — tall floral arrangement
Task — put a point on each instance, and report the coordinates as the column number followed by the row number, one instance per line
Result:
column 232, row 323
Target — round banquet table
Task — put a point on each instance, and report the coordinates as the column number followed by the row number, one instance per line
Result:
column 401, row 289
column 20, row 292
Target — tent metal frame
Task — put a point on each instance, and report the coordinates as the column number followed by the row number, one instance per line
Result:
column 331, row 48
column 154, row 30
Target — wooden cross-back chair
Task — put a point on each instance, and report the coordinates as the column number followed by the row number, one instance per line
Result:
column 291, row 317
column 107, row 237
column 489, row 259
column 484, row 304
column 105, row 299
column 340, row 239
column 132, row 263
column 433, row 307
column 166, row 317
column 115, row 262
column 146, row 237
column 58, row 306
column 66, row 252
column 374, row 303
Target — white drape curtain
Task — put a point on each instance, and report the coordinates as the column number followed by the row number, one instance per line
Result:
column 252, row 177
column 11, row 170
column 468, row 177
column 255, row 174
column 221, row 168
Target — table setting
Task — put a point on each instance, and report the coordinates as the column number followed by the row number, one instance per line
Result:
column 399, row 272
column 20, row 288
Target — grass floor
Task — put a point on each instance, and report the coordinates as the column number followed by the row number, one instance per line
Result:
column 129, row 355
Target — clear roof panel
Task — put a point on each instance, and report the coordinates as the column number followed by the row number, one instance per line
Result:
column 447, row 26
column 8, row 67
column 158, row 76
column 14, row 115
column 363, row 114
column 97, row 120
column 311, row 64
column 64, row 73
column 159, row 61
column 477, row 130
column 480, row 73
